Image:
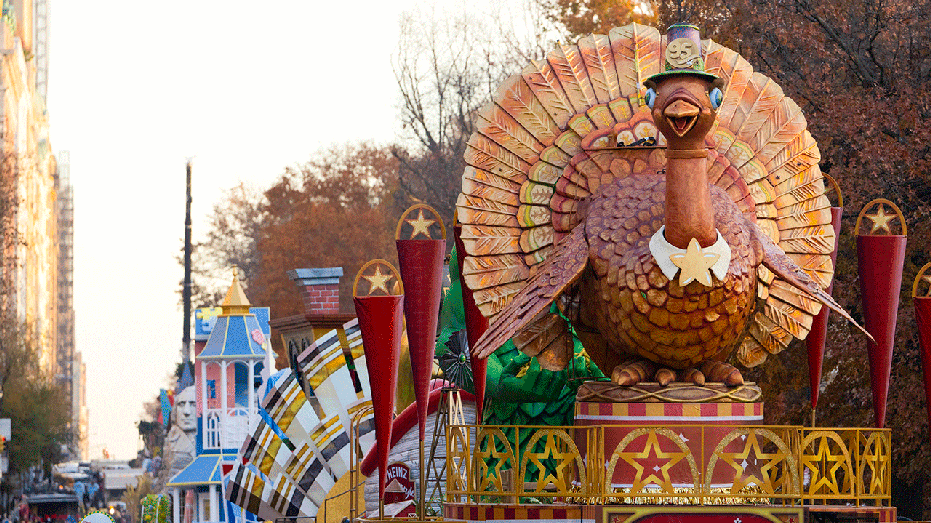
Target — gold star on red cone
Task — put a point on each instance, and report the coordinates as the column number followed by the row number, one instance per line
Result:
column 880, row 219
column 378, row 281
column 421, row 225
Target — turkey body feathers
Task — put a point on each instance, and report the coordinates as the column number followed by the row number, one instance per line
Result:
column 639, row 311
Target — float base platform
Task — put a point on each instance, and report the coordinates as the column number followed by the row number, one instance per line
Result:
column 553, row 513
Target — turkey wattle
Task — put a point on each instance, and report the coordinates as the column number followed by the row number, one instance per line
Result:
column 665, row 259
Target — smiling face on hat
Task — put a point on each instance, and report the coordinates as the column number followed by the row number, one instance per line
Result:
column 681, row 53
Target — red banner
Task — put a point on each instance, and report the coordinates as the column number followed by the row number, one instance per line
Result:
column 880, row 260
column 399, row 474
column 381, row 327
column 476, row 325
column 923, row 318
column 421, row 266
column 819, row 327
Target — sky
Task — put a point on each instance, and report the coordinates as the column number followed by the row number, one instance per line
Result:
column 136, row 88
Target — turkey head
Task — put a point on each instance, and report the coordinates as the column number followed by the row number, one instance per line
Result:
column 683, row 110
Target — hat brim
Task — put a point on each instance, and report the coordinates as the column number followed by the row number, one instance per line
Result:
column 678, row 72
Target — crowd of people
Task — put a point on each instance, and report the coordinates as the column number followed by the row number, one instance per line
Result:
column 89, row 496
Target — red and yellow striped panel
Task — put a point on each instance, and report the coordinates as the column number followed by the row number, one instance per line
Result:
column 599, row 413
column 513, row 513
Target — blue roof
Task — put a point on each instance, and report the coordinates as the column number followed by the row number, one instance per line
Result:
column 204, row 470
column 206, row 317
column 263, row 314
column 235, row 337
column 187, row 379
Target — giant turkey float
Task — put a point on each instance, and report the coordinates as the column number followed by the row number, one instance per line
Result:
column 641, row 214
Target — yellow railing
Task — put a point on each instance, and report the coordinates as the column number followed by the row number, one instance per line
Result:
column 683, row 464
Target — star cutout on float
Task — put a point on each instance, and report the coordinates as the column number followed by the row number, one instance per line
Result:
column 881, row 220
column 561, row 471
column 769, row 477
column 824, row 465
column 662, row 477
column 876, row 457
column 421, row 225
column 500, row 458
column 694, row 264
column 378, row 281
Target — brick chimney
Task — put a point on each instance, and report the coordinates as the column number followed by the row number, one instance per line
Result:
column 319, row 288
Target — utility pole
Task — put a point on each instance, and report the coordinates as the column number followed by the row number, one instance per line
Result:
column 186, row 291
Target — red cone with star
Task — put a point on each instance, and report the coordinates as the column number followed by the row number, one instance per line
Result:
column 381, row 326
column 880, row 259
column 421, row 264
column 923, row 319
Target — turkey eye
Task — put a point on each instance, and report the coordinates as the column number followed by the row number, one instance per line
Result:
column 716, row 97
column 651, row 97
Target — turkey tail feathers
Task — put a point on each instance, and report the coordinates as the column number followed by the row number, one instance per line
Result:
column 519, row 101
column 569, row 68
column 597, row 55
column 783, row 267
column 637, row 55
column 553, row 276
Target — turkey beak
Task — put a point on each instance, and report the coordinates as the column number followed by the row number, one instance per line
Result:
column 681, row 116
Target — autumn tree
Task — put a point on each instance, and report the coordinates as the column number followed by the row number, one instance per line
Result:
column 447, row 67
column 861, row 72
column 580, row 17
column 338, row 209
column 36, row 405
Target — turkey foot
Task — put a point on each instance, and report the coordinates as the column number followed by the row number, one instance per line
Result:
column 692, row 375
column 633, row 372
column 723, row 372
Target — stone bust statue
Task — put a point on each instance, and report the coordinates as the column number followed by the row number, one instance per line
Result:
column 185, row 410
column 179, row 444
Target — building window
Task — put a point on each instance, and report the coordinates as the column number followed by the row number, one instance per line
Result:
column 242, row 384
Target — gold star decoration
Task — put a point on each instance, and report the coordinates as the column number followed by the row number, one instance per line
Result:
column 652, row 453
column 560, row 472
column 378, row 280
column 880, row 219
column 695, row 264
column 877, row 459
column 421, row 225
column 824, row 465
column 753, row 466
column 491, row 476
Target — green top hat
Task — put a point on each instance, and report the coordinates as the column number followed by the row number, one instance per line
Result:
column 683, row 54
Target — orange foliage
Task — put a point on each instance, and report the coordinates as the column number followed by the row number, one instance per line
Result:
column 336, row 210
